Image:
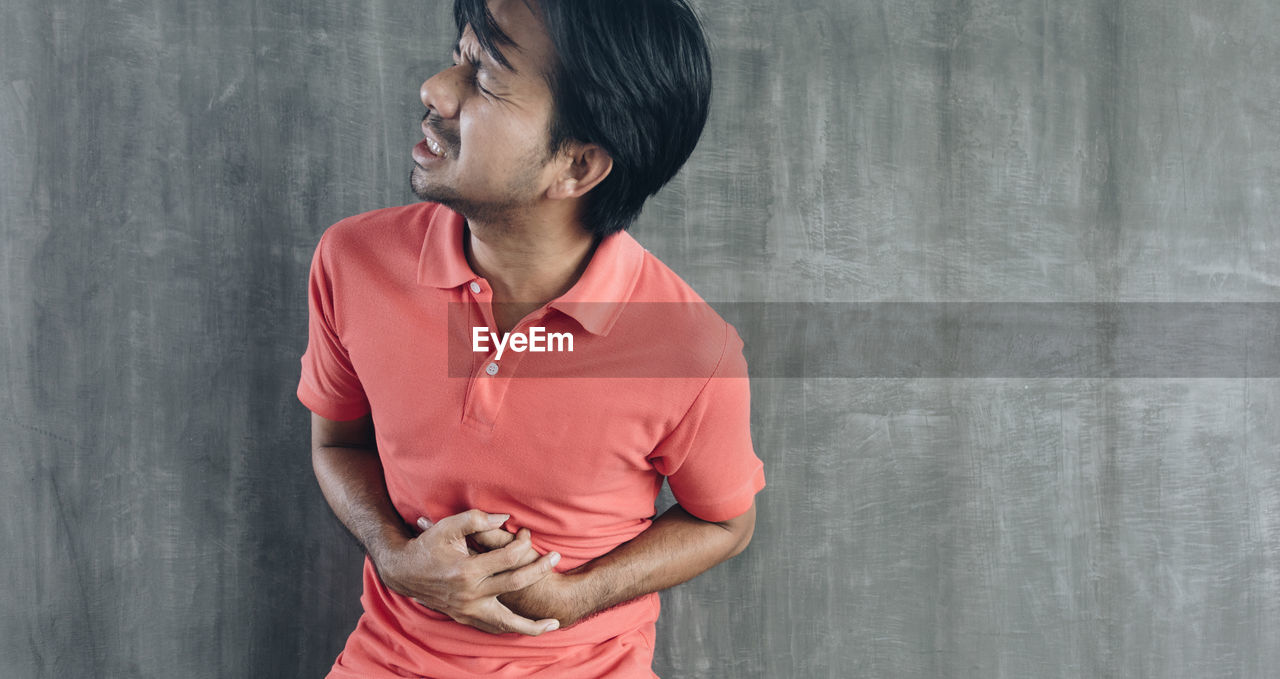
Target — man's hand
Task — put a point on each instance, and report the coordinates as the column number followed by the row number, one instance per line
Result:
column 675, row 548
column 437, row 570
column 550, row 597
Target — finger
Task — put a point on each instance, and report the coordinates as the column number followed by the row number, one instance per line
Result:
column 517, row 553
column 496, row 538
column 525, row 554
column 508, row 621
column 478, row 623
column 499, row 619
column 471, row 521
column 424, row 604
column 531, row 555
column 522, row 577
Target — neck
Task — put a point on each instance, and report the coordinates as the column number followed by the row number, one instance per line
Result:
column 528, row 264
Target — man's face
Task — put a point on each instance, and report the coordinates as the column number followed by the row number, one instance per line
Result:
column 486, row 126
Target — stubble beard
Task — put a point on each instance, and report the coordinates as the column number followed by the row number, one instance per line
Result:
column 445, row 195
column 518, row 195
column 496, row 213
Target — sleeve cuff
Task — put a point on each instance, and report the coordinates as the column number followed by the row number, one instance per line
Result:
column 730, row 506
column 329, row 409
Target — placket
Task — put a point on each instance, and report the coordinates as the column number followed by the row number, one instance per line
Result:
column 490, row 377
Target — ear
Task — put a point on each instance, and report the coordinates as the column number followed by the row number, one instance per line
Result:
column 588, row 165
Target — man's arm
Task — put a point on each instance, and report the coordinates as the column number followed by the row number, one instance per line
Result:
column 435, row 568
column 672, row 550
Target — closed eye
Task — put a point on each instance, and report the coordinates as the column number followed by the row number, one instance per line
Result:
column 473, row 75
column 476, row 81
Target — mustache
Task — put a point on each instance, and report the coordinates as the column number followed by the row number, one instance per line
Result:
column 450, row 139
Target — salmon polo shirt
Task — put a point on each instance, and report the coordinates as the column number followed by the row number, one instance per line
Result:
column 572, row 442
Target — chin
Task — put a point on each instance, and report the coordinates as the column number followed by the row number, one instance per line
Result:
column 448, row 196
column 432, row 193
column 425, row 190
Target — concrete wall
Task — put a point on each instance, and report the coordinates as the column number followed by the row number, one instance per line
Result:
column 166, row 169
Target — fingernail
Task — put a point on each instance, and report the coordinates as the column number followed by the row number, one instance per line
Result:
column 423, row 523
column 555, row 559
column 498, row 519
column 552, row 626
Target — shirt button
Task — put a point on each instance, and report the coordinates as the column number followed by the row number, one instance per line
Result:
column 492, row 368
column 475, row 287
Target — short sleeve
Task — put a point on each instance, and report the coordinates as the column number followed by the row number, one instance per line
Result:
column 329, row 385
column 708, row 458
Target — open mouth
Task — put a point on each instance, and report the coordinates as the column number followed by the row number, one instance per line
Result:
column 429, row 143
column 428, row 150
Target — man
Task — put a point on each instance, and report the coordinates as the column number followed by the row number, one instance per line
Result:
column 505, row 499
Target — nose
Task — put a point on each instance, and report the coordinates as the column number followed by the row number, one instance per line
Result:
column 440, row 92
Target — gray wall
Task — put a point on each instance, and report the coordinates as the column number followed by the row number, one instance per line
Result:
column 166, row 169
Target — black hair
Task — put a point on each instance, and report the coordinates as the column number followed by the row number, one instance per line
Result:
column 633, row 76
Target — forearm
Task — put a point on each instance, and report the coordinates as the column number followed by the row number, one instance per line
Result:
column 672, row 550
column 352, row 481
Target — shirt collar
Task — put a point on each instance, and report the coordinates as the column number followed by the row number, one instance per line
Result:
column 443, row 263
column 595, row 301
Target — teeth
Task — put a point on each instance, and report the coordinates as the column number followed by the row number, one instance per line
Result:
column 434, row 147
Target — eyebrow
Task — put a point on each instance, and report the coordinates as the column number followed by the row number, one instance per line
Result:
column 477, row 61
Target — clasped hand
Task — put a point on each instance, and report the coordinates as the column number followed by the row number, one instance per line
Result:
column 439, row 570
